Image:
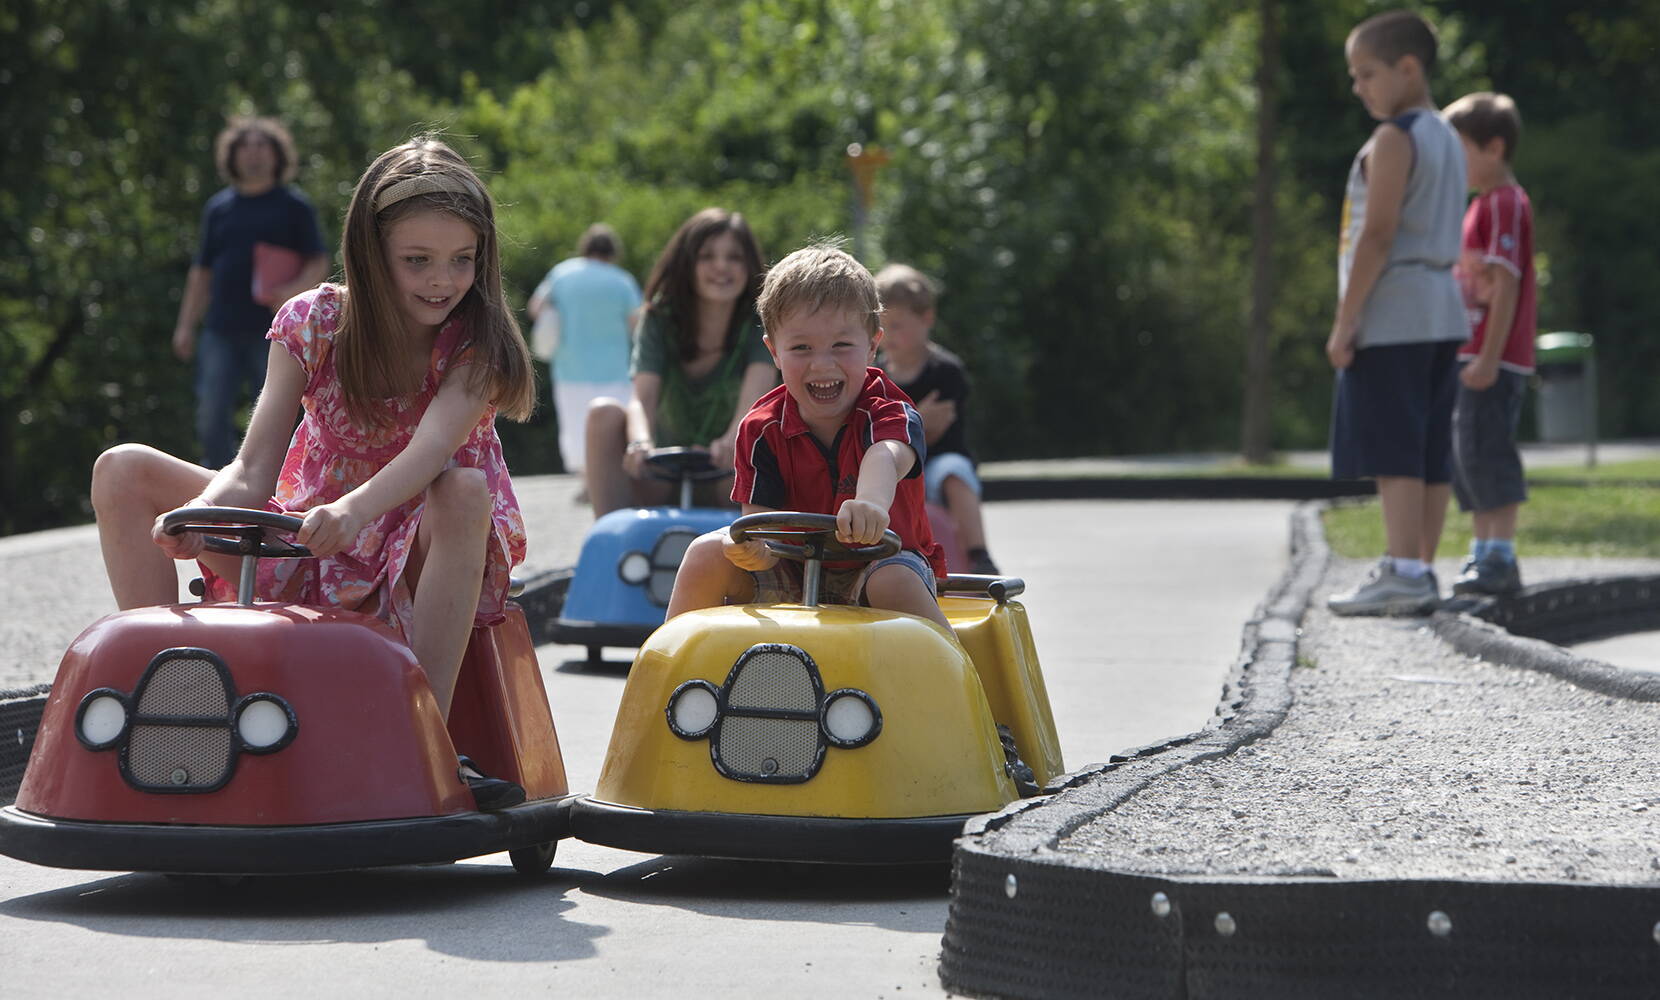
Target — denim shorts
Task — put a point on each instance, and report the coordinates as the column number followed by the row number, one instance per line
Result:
column 938, row 468
column 782, row 583
column 1393, row 413
column 1487, row 467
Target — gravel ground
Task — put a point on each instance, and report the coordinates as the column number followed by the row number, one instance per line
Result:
column 1401, row 758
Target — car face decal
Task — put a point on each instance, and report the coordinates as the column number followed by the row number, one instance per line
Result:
column 183, row 726
column 656, row 572
column 772, row 721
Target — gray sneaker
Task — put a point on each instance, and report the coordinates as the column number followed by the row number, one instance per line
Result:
column 1386, row 592
column 1492, row 574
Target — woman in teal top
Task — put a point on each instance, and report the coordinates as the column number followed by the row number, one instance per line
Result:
column 698, row 364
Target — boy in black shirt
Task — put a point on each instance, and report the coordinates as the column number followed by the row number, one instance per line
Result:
column 937, row 383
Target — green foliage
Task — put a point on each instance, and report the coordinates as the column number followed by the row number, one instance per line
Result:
column 1076, row 172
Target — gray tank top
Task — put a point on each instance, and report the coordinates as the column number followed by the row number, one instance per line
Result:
column 1415, row 299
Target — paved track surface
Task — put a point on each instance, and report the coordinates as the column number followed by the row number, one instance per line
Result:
column 1137, row 610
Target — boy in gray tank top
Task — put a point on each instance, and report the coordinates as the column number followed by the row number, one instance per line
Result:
column 1400, row 318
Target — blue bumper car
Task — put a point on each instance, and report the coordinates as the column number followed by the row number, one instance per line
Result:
column 625, row 573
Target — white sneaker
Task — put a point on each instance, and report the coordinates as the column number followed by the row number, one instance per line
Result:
column 1386, row 592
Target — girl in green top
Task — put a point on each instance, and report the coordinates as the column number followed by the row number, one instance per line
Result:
column 698, row 364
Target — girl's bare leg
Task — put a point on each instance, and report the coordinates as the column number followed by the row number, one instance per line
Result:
column 607, row 432
column 133, row 484
column 446, row 572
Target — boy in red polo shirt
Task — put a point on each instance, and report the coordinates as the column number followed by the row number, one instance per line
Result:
column 1495, row 271
column 836, row 438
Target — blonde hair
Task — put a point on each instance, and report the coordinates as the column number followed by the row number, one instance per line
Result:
column 372, row 332
column 816, row 277
column 904, row 285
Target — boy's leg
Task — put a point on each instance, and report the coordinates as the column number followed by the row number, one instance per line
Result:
column 952, row 481
column 707, row 579
column 1436, row 496
column 896, row 587
column 446, row 572
column 1500, row 522
column 218, row 379
column 1404, row 501
column 132, row 485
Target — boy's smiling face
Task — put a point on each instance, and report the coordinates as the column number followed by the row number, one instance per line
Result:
column 822, row 356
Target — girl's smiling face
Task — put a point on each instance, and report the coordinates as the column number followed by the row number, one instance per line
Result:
column 822, row 357
column 722, row 270
column 432, row 256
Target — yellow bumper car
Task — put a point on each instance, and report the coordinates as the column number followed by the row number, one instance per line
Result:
column 810, row 732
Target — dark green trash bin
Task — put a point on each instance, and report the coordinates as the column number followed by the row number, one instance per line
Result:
column 1567, row 405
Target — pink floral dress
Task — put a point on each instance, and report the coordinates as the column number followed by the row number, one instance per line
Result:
column 330, row 456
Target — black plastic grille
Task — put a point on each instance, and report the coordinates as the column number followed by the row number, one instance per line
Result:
column 185, row 686
column 774, row 680
column 186, row 758
column 755, row 747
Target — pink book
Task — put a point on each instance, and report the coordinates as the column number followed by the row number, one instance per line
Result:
column 274, row 267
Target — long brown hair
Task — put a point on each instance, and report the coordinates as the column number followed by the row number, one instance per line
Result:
column 238, row 130
column 672, row 288
column 371, row 324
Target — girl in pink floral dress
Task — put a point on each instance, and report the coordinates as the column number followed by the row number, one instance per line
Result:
column 395, row 468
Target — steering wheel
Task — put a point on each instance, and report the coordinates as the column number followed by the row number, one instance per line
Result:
column 676, row 464
column 796, row 535
column 238, row 531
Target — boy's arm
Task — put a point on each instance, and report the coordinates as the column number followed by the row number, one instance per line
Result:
column 1483, row 370
column 198, row 289
column 862, row 519
column 1386, row 171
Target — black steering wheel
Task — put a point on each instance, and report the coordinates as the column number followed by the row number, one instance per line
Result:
column 238, row 531
column 796, row 535
column 676, row 464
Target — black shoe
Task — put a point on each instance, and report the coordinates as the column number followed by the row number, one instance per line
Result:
column 1490, row 575
column 489, row 793
column 979, row 562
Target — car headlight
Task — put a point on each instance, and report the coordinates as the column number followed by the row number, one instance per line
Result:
column 634, row 568
column 693, row 709
column 264, row 723
column 101, row 719
column 850, row 718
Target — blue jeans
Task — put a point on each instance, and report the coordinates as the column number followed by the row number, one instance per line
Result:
column 224, row 362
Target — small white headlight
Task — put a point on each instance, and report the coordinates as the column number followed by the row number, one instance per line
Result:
column 102, row 720
column 850, row 720
column 261, row 723
column 693, row 710
column 634, row 568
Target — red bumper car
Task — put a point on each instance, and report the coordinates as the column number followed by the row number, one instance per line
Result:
column 263, row 738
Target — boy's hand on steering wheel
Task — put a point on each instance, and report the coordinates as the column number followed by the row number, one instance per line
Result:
column 860, row 522
column 328, row 529
column 722, row 450
column 752, row 556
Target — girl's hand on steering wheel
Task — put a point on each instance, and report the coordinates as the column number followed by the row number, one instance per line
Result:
column 185, row 545
column 328, row 529
column 722, row 450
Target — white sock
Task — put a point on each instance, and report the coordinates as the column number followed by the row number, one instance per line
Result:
column 1412, row 569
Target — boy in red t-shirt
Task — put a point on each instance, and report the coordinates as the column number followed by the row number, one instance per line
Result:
column 836, row 438
column 1495, row 272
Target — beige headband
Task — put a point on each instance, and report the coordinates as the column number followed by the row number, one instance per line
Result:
column 409, row 187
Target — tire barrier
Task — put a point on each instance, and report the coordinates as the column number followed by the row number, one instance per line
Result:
column 1530, row 629
column 1029, row 920
column 19, row 720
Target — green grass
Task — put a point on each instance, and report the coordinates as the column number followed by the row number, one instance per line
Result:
column 1643, row 468
column 1605, row 521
